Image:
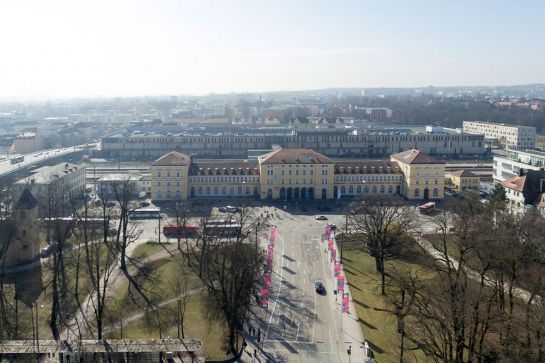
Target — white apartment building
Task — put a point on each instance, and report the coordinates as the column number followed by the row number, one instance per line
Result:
column 510, row 164
column 510, row 136
column 53, row 184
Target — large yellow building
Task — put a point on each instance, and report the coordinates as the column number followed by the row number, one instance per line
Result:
column 298, row 174
column 423, row 176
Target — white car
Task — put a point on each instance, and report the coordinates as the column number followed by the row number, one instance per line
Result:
column 321, row 218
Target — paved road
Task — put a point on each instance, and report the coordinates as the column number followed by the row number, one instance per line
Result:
column 6, row 167
column 300, row 325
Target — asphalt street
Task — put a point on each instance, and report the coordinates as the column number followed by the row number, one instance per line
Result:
column 300, row 325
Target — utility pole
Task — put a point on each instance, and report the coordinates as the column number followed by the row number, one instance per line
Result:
column 159, row 229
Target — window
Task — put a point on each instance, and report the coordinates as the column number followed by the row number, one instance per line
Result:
column 358, row 189
column 177, row 174
column 417, row 192
column 351, row 190
column 417, row 171
column 159, row 174
column 311, row 172
column 382, row 189
column 435, row 193
column 158, row 183
column 390, row 189
column 168, row 174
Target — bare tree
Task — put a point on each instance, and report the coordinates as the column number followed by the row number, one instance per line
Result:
column 230, row 271
column 385, row 224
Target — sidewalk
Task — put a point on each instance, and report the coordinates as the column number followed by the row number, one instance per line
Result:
column 351, row 331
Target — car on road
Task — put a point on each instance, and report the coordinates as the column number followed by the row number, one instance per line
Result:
column 222, row 210
column 231, row 209
column 319, row 287
column 332, row 226
column 48, row 250
column 321, row 218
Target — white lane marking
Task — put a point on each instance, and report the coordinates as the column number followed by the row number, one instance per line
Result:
column 279, row 286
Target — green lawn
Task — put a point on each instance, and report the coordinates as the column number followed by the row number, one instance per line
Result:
column 158, row 287
column 149, row 248
column 374, row 310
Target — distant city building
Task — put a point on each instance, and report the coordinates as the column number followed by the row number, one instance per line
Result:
column 297, row 174
column 330, row 142
column 465, row 180
column 113, row 186
column 27, row 142
column 526, row 190
column 53, row 186
column 510, row 136
column 509, row 164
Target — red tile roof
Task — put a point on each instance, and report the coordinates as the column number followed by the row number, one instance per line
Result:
column 463, row 173
column 294, row 156
column 173, row 158
column 367, row 167
column 415, row 156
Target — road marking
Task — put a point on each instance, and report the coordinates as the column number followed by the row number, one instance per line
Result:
column 279, row 285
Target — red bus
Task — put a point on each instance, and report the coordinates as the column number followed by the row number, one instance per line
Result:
column 426, row 208
column 182, row 230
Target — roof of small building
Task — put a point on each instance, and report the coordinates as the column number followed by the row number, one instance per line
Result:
column 529, row 181
column 463, row 173
column 294, row 156
column 100, row 346
column 367, row 167
column 26, row 201
column 415, row 156
column 173, row 158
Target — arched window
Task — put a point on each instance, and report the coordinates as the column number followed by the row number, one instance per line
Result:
column 351, row 190
column 207, row 190
column 223, row 191
column 239, row 190
column 366, row 189
column 382, row 189
column 374, row 189
column 343, row 190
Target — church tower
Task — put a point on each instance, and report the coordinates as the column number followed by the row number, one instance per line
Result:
column 27, row 241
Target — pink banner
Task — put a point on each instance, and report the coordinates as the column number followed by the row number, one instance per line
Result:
column 340, row 282
column 333, row 254
column 337, row 268
column 346, row 303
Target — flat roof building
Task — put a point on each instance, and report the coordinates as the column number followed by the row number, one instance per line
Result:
column 513, row 137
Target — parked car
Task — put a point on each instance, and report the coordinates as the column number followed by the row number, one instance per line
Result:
column 321, row 218
column 48, row 250
column 231, row 209
column 319, row 287
column 222, row 210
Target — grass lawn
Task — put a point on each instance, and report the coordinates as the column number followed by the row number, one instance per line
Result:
column 374, row 310
column 196, row 326
column 158, row 286
column 149, row 248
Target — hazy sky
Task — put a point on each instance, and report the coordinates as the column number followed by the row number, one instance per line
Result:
column 72, row 48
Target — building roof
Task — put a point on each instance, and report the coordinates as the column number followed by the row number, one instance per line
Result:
column 224, row 168
column 48, row 174
column 367, row 167
column 463, row 173
column 100, row 346
column 294, row 156
column 528, row 181
column 173, row 158
column 414, row 156
column 26, row 201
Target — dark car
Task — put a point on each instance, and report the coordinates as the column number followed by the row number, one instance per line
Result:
column 48, row 250
column 222, row 210
column 332, row 226
column 319, row 287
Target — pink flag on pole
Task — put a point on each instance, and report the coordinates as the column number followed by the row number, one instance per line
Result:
column 340, row 282
column 346, row 304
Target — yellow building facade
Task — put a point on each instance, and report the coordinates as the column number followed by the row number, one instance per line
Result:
column 297, row 174
column 423, row 175
column 465, row 180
